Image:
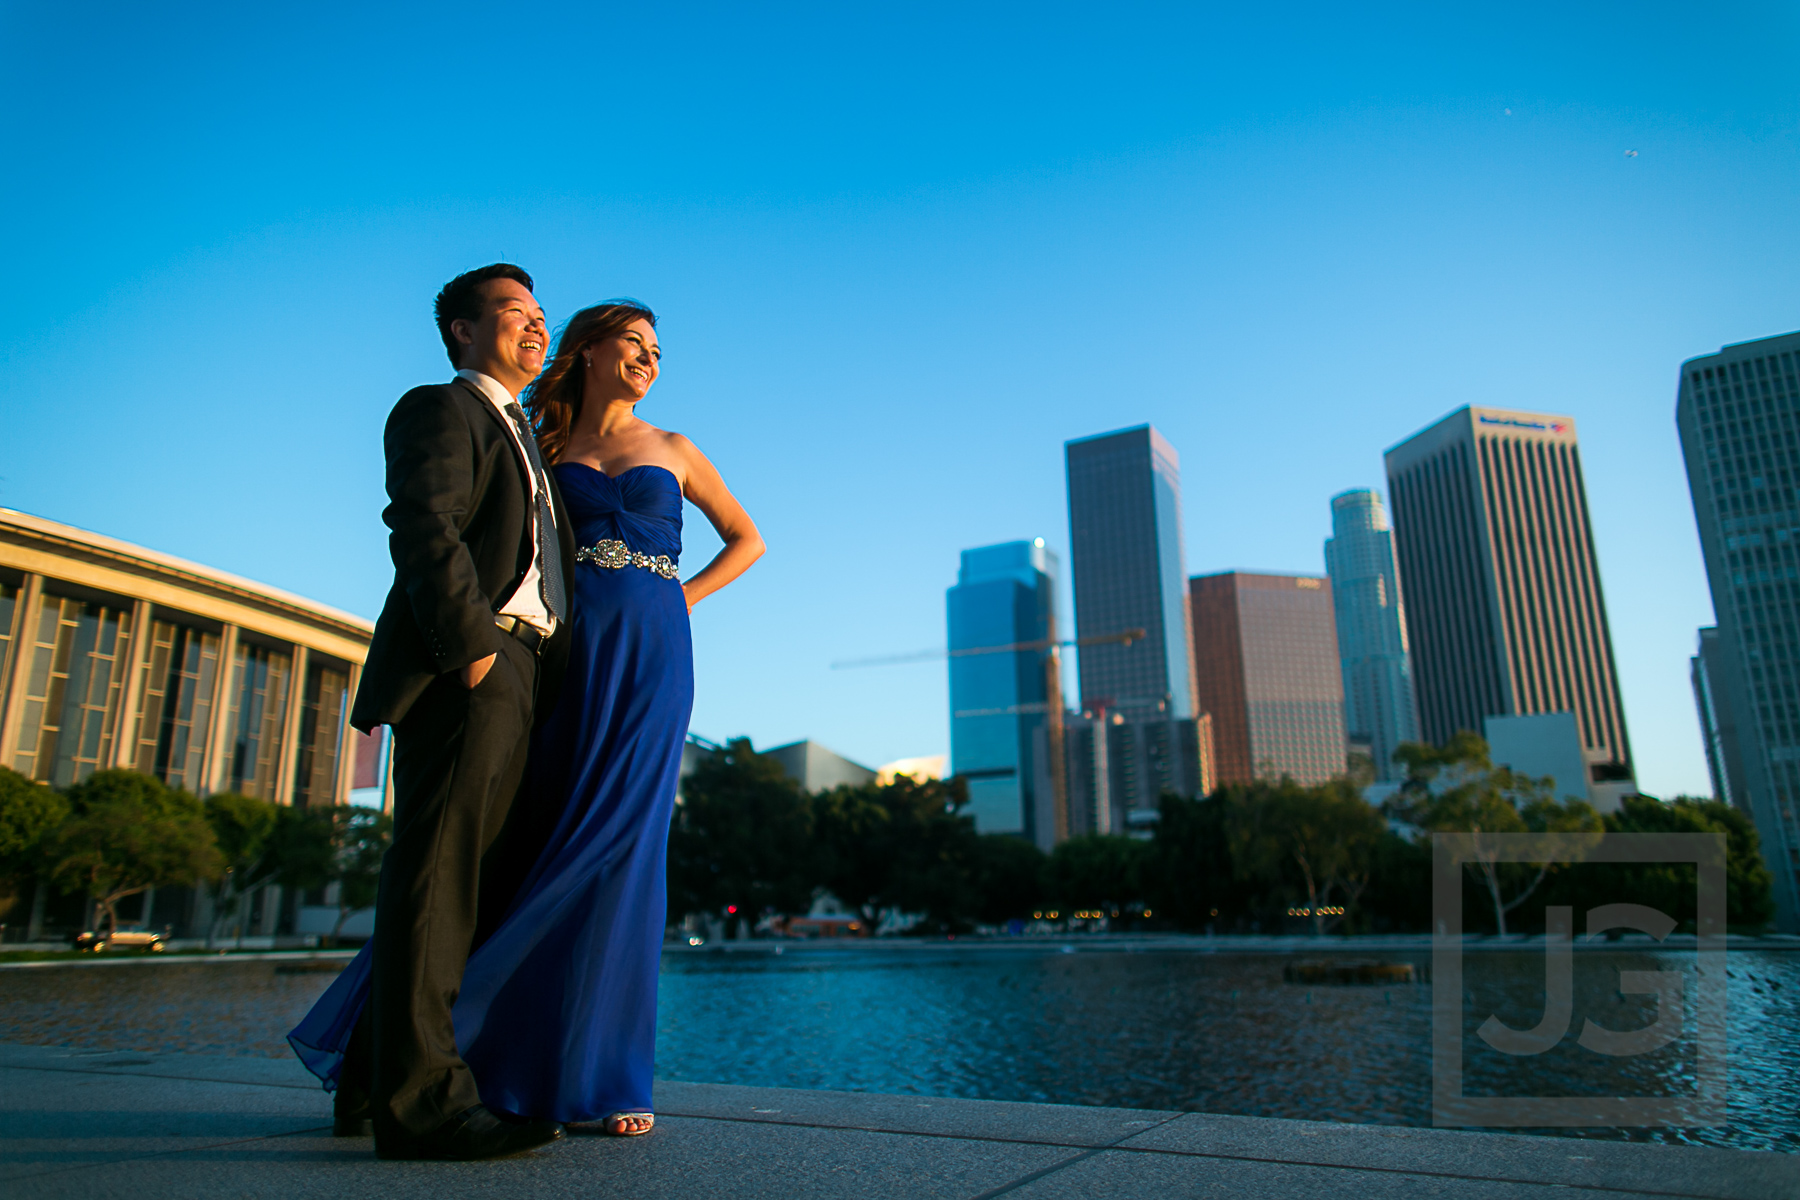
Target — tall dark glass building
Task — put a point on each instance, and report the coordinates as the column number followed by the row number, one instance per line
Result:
column 1738, row 412
column 1004, row 595
column 1126, row 556
column 1504, row 611
column 1371, row 628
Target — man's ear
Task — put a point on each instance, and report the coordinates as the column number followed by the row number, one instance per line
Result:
column 463, row 330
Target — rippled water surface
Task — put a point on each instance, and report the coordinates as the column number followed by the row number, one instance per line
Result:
column 1215, row 1032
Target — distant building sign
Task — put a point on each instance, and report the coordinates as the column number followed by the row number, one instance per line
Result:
column 1516, row 423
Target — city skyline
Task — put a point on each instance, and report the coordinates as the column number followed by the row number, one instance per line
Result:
column 896, row 271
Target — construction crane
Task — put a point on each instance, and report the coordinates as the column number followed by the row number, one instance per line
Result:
column 1052, row 709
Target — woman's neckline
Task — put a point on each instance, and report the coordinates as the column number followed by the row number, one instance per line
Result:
column 628, row 470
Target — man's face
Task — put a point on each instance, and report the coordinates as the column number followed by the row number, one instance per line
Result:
column 509, row 339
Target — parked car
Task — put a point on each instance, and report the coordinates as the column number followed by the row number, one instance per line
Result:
column 121, row 939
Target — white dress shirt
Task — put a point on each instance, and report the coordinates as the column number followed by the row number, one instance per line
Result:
column 527, row 601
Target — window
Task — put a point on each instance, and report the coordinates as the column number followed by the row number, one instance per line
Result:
column 175, row 704
column 9, row 603
column 323, row 707
column 258, row 716
column 80, row 652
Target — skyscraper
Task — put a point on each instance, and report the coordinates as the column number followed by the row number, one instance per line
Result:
column 1738, row 412
column 1004, row 595
column 1371, row 628
column 1707, row 671
column 1504, row 612
column 1125, row 550
column 1266, row 662
column 1117, row 770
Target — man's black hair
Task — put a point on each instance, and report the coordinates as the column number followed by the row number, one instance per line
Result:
column 462, row 298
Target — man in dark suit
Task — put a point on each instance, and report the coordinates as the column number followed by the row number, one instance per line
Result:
column 466, row 649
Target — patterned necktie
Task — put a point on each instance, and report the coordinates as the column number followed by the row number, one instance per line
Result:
column 550, row 578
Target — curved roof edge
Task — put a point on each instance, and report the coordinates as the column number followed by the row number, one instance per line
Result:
column 155, row 564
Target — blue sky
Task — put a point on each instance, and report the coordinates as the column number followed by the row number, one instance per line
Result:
column 902, row 254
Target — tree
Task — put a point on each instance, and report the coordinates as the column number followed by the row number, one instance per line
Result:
column 359, row 840
column 1457, row 788
column 903, row 845
column 264, row 844
column 128, row 832
column 30, row 814
column 1098, row 871
column 1327, row 833
column 1008, row 877
column 242, row 826
column 1669, row 887
column 1187, row 875
column 741, row 839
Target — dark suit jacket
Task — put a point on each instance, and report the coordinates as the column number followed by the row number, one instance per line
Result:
column 460, row 511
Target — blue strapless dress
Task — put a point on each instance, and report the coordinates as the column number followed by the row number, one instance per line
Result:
column 557, row 1013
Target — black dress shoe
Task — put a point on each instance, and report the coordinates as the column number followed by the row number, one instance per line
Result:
column 349, row 1113
column 473, row 1133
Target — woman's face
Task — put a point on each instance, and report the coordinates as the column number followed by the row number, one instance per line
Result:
column 626, row 363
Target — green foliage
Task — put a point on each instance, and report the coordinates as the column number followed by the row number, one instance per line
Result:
column 1187, row 874
column 742, row 837
column 1008, row 875
column 358, row 840
column 902, row 845
column 29, row 814
column 1399, row 891
column 1670, row 887
column 1098, row 871
column 1325, row 835
column 262, row 844
column 128, row 832
column 746, row 835
column 1455, row 788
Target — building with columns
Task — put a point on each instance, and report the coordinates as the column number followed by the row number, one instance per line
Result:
column 112, row 655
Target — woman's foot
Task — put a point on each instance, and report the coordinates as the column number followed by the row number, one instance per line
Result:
column 628, row 1124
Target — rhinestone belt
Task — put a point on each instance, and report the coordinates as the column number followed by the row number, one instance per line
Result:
column 617, row 555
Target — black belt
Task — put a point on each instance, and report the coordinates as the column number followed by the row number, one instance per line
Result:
column 527, row 634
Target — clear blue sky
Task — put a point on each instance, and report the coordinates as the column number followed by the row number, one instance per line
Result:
column 901, row 256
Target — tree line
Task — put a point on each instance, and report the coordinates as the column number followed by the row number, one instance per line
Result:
column 1270, row 856
column 119, row 833
column 747, row 844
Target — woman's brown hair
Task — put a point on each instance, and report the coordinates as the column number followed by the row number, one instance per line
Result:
column 553, row 401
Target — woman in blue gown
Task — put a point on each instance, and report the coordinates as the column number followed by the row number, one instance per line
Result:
column 557, row 1012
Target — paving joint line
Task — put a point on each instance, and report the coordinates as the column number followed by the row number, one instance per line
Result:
column 1428, row 1174
column 1041, row 1172
column 292, row 1087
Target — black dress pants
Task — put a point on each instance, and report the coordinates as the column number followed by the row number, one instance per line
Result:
column 459, row 757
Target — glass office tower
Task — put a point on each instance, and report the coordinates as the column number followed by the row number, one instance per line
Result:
column 1004, row 595
column 1266, row 661
column 1738, row 412
column 1126, row 555
column 1371, row 628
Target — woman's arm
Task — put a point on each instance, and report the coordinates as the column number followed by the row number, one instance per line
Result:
column 743, row 545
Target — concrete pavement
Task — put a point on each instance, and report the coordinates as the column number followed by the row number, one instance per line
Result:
column 143, row 1126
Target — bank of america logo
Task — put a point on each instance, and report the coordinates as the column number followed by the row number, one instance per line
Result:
column 1516, row 423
